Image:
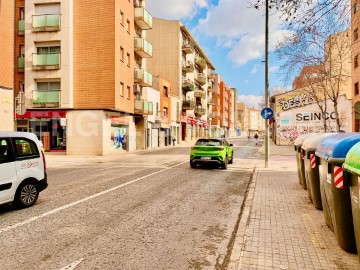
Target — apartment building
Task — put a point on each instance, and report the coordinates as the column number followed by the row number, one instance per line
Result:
column 214, row 89
column 355, row 73
column 232, row 112
column 7, row 21
column 179, row 58
column 242, row 119
column 255, row 122
column 224, row 109
column 82, row 68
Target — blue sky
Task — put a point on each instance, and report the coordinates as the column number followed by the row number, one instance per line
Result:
column 232, row 35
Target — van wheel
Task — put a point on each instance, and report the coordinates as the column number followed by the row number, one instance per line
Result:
column 26, row 194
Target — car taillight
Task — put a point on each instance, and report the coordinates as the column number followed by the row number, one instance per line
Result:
column 43, row 157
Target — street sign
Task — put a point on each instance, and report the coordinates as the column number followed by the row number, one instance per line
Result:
column 267, row 113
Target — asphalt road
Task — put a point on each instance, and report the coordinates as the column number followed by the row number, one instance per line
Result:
column 148, row 210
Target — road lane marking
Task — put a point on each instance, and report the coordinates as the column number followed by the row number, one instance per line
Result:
column 56, row 210
column 72, row 265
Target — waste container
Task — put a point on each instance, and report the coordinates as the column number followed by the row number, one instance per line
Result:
column 352, row 167
column 334, row 187
column 311, row 163
column 299, row 158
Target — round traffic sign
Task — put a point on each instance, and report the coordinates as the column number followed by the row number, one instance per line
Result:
column 267, row 113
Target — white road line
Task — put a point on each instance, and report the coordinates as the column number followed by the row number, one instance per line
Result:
column 72, row 265
column 56, row 210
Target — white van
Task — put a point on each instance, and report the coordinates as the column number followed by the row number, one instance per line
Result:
column 22, row 168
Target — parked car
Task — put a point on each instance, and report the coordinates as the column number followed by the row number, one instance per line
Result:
column 22, row 167
column 211, row 150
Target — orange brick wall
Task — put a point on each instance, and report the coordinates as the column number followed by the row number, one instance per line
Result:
column 355, row 23
column 94, row 54
column 7, row 43
column 224, row 93
column 18, row 76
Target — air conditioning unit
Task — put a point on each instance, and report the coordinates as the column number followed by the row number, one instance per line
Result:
column 137, row 89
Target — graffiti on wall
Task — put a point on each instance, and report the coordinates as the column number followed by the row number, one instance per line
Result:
column 291, row 101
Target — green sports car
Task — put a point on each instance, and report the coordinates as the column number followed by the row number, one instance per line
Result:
column 211, row 150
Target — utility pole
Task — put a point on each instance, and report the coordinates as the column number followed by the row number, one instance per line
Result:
column 267, row 81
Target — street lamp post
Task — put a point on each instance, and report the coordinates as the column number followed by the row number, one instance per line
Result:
column 267, row 81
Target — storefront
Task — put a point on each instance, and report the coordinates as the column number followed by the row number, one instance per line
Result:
column 49, row 127
column 119, row 131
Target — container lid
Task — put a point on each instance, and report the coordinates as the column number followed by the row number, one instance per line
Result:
column 352, row 161
column 337, row 146
column 299, row 140
column 312, row 142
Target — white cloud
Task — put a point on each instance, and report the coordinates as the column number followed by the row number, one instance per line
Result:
column 246, row 81
column 254, row 70
column 175, row 9
column 251, row 101
column 233, row 20
column 273, row 69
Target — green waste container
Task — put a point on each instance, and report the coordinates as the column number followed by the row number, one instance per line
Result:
column 311, row 163
column 299, row 158
column 335, row 188
column 352, row 167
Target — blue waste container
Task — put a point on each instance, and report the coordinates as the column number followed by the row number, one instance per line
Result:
column 335, row 188
column 311, row 163
column 299, row 158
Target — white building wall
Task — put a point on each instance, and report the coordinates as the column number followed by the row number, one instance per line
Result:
column 6, row 109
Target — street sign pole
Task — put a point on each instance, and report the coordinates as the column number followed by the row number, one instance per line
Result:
column 267, row 82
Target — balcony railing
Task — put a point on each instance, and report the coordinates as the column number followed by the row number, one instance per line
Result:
column 188, row 85
column 188, row 66
column 200, row 111
column 143, row 107
column 188, row 48
column 143, row 77
column 143, row 18
column 21, row 27
column 46, row 99
column 46, row 61
column 143, row 48
column 199, row 94
column 211, row 101
column 46, row 22
column 188, row 105
column 201, row 62
column 21, row 63
column 211, row 88
column 200, row 78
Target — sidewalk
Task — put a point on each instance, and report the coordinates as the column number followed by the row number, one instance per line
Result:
column 280, row 228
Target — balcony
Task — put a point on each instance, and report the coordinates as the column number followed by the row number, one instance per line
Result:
column 201, row 62
column 21, row 27
column 46, row 61
column 143, row 107
column 199, row 94
column 46, row 99
column 158, row 117
column 143, row 18
column 188, row 48
column 143, row 77
column 21, row 63
column 46, row 22
column 188, row 85
column 200, row 111
column 211, row 115
column 188, row 66
column 211, row 101
column 211, row 88
column 200, row 78
column 188, row 105
column 143, row 48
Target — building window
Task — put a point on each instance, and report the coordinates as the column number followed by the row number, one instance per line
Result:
column 128, row 59
column 166, row 92
column 356, row 89
column 122, row 19
column 165, row 112
column 356, row 61
column 122, row 54
column 128, row 26
column 48, row 50
column 121, row 89
column 356, row 7
column 128, row 92
column 356, row 34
